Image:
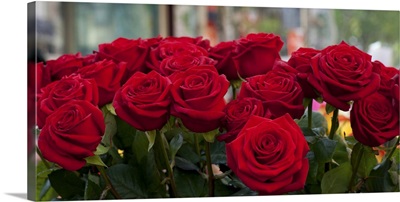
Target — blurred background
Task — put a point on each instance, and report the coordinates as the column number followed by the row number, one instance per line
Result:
column 73, row 27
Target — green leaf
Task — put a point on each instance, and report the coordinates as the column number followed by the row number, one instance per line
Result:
column 124, row 137
column 95, row 160
column 396, row 156
column 319, row 100
column 318, row 121
column 169, row 125
column 111, row 127
column 312, row 188
column 175, row 144
column 337, row 180
column 342, row 152
column 151, row 137
column 379, row 179
column 127, row 181
column 47, row 192
column 245, row 192
column 44, row 191
column 313, row 168
column 350, row 141
column 67, row 184
column 111, row 109
column 185, row 164
column 101, row 150
column 140, row 146
column 218, row 153
column 329, row 108
column 190, row 184
column 210, row 136
column 324, row 149
column 220, row 189
column 235, row 182
column 92, row 191
column 367, row 159
column 187, row 152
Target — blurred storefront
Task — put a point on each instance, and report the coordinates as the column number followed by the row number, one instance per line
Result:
column 80, row 27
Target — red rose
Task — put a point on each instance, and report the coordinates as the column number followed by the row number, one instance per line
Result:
column 396, row 94
column 343, row 73
column 256, row 53
column 269, row 156
column 144, row 101
column 169, row 48
column 237, row 112
column 63, row 66
column 301, row 61
column 199, row 41
column 107, row 75
column 183, row 61
column 89, row 59
column 132, row 51
column 56, row 94
column 152, row 42
column 223, row 53
column 71, row 134
column 389, row 76
column 279, row 91
column 374, row 120
column 198, row 95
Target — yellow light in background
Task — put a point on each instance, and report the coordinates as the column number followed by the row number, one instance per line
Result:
column 121, row 152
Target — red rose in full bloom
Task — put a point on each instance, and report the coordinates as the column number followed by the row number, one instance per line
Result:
column 269, row 156
column 198, row 98
column 56, row 94
column 107, row 75
column 183, row 61
column 301, row 61
column 169, row 48
column 144, row 101
column 255, row 54
column 198, row 41
column 374, row 120
column 71, row 134
column 64, row 65
column 237, row 112
column 279, row 91
column 343, row 73
column 132, row 51
column 223, row 52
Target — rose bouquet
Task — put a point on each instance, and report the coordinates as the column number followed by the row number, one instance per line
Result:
column 177, row 117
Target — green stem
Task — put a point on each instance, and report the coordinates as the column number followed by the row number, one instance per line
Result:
column 196, row 144
column 108, row 182
column 334, row 127
column 335, row 124
column 233, row 91
column 309, row 111
column 160, row 144
column 209, row 171
column 354, row 174
column 197, row 148
column 42, row 158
